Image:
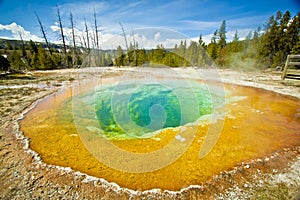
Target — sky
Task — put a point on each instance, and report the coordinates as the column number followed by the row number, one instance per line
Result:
column 149, row 22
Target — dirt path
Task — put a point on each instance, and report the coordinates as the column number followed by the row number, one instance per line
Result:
column 23, row 176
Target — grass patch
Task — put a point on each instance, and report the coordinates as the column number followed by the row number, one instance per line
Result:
column 280, row 191
column 16, row 76
column 8, row 110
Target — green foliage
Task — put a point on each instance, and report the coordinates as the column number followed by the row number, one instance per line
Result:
column 296, row 48
column 192, row 54
column 16, row 61
column 141, row 57
column 42, row 56
column 222, row 35
column 202, row 43
column 8, row 46
column 35, row 62
column 45, row 61
column 280, row 38
column 32, row 47
column 120, row 59
column 212, row 47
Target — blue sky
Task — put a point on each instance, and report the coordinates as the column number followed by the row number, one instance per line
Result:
column 152, row 21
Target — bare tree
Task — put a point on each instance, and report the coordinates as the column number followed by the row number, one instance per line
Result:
column 126, row 43
column 43, row 33
column 124, row 35
column 93, row 38
column 62, row 35
column 87, row 43
column 24, row 54
column 96, row 30
column 134, row 47
column 87, row 35
column 83, row 41
column 23, row 45
column 75, row 56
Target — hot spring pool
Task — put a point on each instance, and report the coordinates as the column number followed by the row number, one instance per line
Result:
column 138, row 110
column 84, row 126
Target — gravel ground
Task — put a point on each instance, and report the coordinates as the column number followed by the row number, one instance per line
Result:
column 24, row 176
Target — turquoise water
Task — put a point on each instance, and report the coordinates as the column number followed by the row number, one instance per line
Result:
column 136, row 110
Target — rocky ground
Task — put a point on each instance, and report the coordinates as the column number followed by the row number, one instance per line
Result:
column 24, row 176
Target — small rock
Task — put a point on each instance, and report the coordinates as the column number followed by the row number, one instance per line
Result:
column 267, row 159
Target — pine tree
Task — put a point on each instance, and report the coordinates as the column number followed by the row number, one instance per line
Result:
column 296, row 48
column 42, row 57
column 235, row 46
column 16, row 61
column 108, row 59
column 269, row 39
column 141, row 57
column 8, row 46
column 44, row 60
column 192, row 53
column 202, row 43
column 283, row 44
column 203, row 59
column 280, row 37
column 131, row 55
column 32, row 47
column 182, row 52
column 120, row 57
column 222, row 35
column 212, row 48
column 35, row 63
column 293, row 33
column 158, row 54
column 235, row 37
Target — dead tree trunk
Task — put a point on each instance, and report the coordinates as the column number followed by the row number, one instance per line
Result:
column 87, row 35
column 87, row 42
column 75, row 56
column 134, row 48
column 96, row 30
column 126, row 43
column 62, row 35
column 43, row 33
column 24, row 54
column 124, row 35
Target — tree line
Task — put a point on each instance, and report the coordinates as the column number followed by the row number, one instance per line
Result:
column 267, row 47
column 261, row 48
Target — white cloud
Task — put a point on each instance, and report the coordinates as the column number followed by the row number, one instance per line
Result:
column 83, row 8
column 143, row 37
column 17, row 30
column 111, row 41
column 54, row 28
column 157, row 36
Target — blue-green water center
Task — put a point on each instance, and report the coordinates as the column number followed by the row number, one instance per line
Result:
column 136, row 110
